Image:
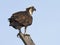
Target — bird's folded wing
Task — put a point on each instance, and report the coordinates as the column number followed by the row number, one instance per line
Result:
column 20, row 18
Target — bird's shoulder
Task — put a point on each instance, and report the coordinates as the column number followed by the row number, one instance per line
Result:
column 20, row 13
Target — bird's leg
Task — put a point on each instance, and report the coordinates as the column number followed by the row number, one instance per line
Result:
column 19, row 32
column 25, row 31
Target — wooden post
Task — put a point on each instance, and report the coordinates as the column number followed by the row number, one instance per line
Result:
column 26, row 39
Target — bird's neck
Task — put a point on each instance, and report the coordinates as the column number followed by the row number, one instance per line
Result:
column 30, row 11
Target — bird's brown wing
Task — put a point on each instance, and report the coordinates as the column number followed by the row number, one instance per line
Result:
column 20, row 18
column 23, row 19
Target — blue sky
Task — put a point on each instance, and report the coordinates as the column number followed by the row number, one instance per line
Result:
column 45, row 29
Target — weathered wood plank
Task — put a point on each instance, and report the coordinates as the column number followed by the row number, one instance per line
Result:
column 26, row 39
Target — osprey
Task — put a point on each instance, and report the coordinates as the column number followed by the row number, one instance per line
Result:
column 22, row 19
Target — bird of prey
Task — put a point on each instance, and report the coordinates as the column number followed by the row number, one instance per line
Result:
column 22, row 19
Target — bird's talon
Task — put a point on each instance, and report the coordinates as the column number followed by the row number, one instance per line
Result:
column 17, row 34
column 26, row 35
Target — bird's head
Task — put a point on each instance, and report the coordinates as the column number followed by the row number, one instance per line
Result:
column 31, row 9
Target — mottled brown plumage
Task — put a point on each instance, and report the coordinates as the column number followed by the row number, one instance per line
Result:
column 22, row 18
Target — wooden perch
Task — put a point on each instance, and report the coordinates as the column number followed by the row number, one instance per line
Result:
column 26, row 39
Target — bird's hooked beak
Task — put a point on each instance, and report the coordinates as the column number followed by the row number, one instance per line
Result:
column 34, row 9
